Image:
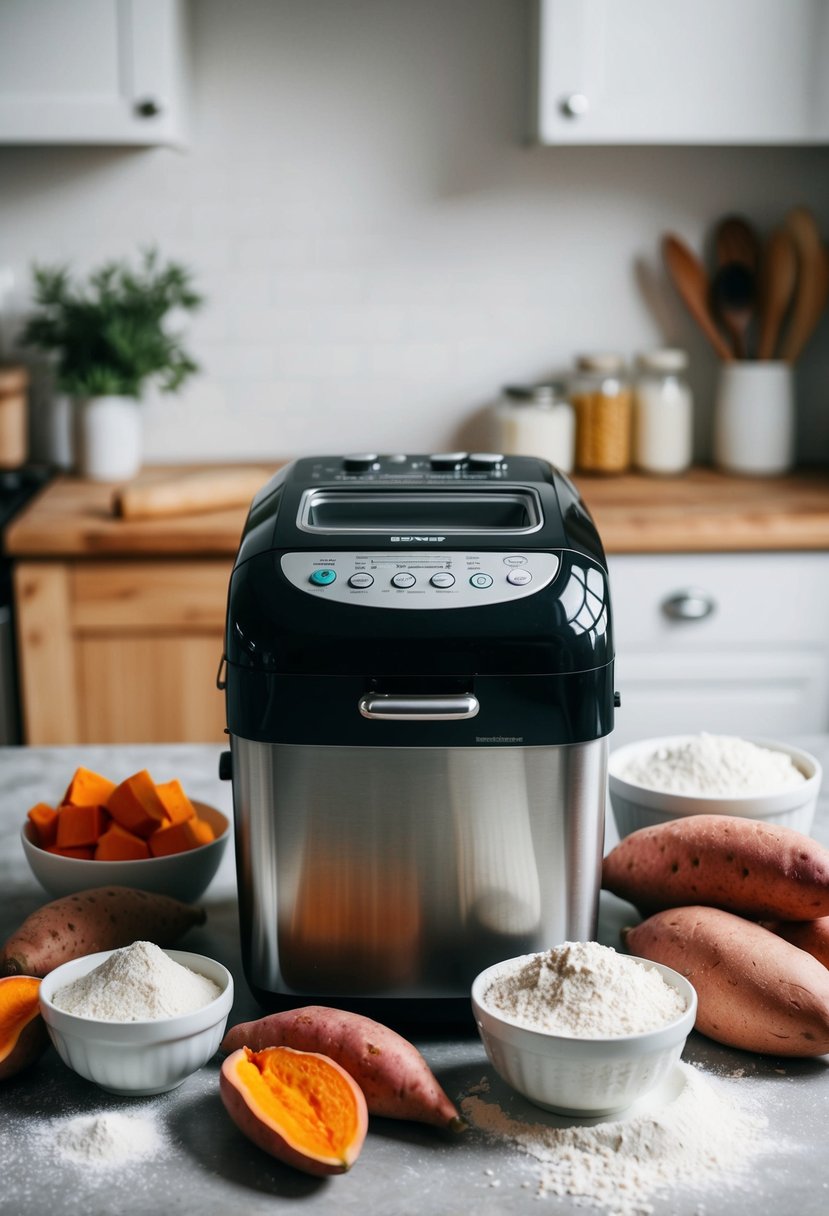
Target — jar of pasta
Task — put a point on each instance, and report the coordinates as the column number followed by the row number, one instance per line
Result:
column 603, row 401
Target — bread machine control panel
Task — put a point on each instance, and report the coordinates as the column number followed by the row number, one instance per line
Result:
column 420, row 578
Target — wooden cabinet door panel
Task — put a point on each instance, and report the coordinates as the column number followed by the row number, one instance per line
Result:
column 127, row 597
column 150, row 689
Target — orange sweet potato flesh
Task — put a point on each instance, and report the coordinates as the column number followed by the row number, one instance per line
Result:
column 79, row 826
column 755, row 990
column 391, row 1072
column 88, row 789
column 102, row 918
column 117, row 844
column 174, row 838
column 300, row 1107
column 23, row 1035
column 742, row 865
column 175, row 802
column 136, row 805
column 44, row 819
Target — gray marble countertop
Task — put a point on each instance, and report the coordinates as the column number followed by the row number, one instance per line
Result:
column 208, row 1168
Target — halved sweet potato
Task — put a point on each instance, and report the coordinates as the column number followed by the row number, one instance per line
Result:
column 300, row 1107
column 23, row 1035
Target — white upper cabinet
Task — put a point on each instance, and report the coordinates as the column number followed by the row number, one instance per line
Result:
column 683, row 72
column 92, row 72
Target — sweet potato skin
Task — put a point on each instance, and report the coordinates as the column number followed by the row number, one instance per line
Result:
column 742, row 865
column 809, row 935
column 102, row 918
column 393, row 1075
column 265, row 1134
column 755, row 991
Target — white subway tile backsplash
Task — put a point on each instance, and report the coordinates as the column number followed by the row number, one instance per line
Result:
column 380, row 248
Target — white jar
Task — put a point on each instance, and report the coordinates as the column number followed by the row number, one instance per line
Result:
column 537, row 420
column 663, row 413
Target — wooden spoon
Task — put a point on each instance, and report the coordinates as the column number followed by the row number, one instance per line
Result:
column 733, row 297
column 688, row 275
column 737, row 241
column 778, row 275
column 812, row 282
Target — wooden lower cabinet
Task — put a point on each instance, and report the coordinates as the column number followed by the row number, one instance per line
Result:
column 121, row 651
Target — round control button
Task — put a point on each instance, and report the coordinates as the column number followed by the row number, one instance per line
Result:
column 519, row 578
column 360, row 580
column 322, row 578
column 447, row 460
column 442, row 579
column 359, row 461
column 404, row 579
column 515, row 559
column 485, row 460
column 481, row 580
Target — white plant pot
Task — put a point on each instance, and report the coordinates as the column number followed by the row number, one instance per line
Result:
column 107, row 436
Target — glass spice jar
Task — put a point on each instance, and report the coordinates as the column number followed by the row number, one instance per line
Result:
column 663, row 412
column 537, row 420
column 603, row 400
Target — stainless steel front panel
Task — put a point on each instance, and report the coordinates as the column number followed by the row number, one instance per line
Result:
column 404, row 871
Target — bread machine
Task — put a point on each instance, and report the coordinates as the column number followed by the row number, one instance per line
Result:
column 419, row 690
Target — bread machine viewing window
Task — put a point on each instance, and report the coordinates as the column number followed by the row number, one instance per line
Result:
column 514, row 511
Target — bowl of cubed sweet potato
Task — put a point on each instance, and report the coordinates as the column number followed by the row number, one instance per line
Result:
column 134, row 833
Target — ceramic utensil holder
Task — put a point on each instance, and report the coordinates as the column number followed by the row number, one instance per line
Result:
column 754, row 418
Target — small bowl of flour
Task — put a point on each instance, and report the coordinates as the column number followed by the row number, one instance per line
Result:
column 581, row 1029
column 138, row 1020
column 656, row 780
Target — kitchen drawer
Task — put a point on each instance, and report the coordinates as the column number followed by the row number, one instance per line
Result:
column 756, row 662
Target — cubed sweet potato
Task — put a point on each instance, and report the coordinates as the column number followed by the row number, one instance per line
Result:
column 136, row 805
column 44, row 820
column 88, row 789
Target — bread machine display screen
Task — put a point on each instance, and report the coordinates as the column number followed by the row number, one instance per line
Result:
column 513, row 511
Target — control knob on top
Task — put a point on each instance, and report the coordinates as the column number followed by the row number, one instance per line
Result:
column 359, row 462
column 485, row 460
column 448, row 460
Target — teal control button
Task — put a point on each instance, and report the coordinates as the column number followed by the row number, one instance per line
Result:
column 481, row 580
column 322, row 578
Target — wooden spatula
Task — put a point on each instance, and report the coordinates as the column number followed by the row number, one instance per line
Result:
column 812, row 282
column 688, row 276
column 778, row 275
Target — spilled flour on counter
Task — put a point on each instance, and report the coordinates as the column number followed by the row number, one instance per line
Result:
column 107, row 1140
column 699, row 1139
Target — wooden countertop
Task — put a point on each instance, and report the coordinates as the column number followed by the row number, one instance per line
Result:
column 703, row 511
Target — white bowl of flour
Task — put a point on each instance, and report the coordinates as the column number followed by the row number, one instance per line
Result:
column 581, row 1029
column 138, row 1020
column 656, row 780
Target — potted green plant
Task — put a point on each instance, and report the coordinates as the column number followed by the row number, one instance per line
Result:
column 110, row 338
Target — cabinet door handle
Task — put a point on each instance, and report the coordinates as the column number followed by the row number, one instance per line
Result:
column 689, row 605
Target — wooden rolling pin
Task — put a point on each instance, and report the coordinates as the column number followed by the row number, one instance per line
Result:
column 156, row 497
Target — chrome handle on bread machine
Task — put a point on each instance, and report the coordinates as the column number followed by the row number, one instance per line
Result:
column 417, row 707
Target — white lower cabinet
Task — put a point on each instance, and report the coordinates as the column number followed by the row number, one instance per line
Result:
column 728, row 643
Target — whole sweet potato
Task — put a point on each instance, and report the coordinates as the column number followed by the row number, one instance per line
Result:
column 391, row 1072
column 102, row 918
column 755, row 990
column 741, row 865
column 809, row 935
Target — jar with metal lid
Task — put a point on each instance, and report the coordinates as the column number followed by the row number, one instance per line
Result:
column 603, row 401
column 537, row 420
column 663, row 412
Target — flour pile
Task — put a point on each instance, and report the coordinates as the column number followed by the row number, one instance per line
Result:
column 584, row 990
column 136, row 984
column 107, row 1140
column 699, row 1139
column 713, row 765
